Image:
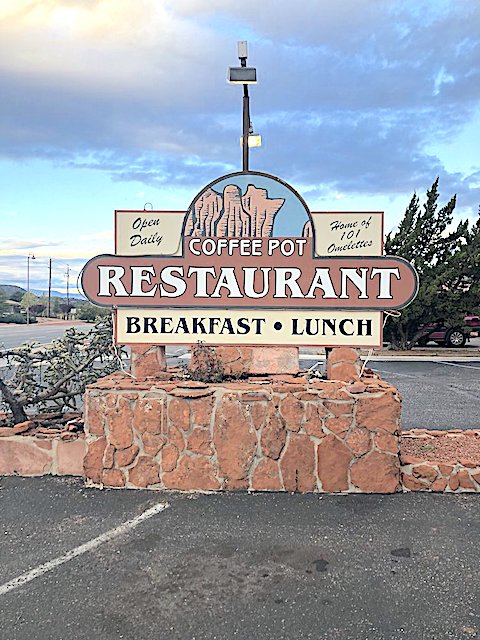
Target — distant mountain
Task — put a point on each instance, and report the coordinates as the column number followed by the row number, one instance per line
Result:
column 57, row 294
column 11, row 289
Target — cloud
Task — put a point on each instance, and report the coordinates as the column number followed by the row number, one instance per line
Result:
column 11, row 245
column 98, row 236
column 14, row 252
column 350, row 95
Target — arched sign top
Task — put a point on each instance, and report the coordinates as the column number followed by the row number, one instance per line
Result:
column 248, row 204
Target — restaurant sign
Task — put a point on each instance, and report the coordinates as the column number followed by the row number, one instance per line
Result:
column 249, row 264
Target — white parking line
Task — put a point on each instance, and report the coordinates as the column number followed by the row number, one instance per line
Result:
column 395, row 373
column 83, row 548
column 455, row 364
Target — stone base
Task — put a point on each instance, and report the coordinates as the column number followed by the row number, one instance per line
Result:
column 40, row 455
column 344, row 363
column 147, row 360
column 276, row 433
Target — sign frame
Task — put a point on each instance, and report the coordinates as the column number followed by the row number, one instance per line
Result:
column 273, row 194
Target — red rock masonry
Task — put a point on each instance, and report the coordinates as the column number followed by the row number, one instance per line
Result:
column 420, row 474
column 33, row 455
column 277, row 433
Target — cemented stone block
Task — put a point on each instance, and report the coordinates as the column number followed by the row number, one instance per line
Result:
column 147, row 360
column 450, row 462
column 70, row 454
column 239, row 361
column 38, row 455
column 274, row 433
column 20, row 456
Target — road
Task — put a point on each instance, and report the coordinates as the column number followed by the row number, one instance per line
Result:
column 14, row 335
column 250, row 567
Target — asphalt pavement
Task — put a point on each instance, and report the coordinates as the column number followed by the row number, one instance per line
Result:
column 252, row 567
column 15, row 335
column 435, row 395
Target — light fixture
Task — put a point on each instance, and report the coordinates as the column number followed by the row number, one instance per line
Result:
column 254, row 140
column 242, row 75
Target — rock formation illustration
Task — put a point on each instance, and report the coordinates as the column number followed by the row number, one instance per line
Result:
column 230, row 214
column 307, row 230
column 202, row 220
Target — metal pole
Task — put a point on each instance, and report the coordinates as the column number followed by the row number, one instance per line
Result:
column 28, row 289
column 49, row 307
column 245, row 120
column 246, row 126
column 68, row 298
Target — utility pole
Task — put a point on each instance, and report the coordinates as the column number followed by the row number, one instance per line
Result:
column 29, row 257
column 67, row 274
column 49, row 305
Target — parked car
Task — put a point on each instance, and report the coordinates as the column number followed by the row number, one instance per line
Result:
column 449, row 336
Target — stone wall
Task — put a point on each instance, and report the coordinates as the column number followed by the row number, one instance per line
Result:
column 429, row 460
column 441, row 461
column 275, row 433
column 41, row 454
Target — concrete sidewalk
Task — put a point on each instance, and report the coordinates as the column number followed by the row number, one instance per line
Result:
column 45, row 322
column 253, row 567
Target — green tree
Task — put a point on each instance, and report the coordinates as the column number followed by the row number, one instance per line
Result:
column 37, row 309
column 55, row 306
column 28, row 300
column 441, row 255
column 43, row 300
column 65, row 309
column 90, row 312
column 467, row 271
column 3, row 305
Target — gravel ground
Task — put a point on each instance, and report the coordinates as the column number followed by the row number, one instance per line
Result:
column 444, row 448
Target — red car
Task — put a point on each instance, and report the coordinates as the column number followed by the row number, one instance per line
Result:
column 450, row 337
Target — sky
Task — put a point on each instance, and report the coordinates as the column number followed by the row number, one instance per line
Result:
column 112, row 104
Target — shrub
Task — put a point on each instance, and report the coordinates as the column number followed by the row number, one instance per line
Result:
column 91, row 313
column 205, row 365
column 54, row 376
column 14, row 318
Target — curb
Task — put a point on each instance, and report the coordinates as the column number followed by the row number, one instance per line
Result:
column 375, row 358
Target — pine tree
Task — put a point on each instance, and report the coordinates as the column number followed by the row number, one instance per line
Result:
column 443, row 257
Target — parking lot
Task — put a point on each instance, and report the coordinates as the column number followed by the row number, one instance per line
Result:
column 269, row 566
column 79, row 563
column 435, row 395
